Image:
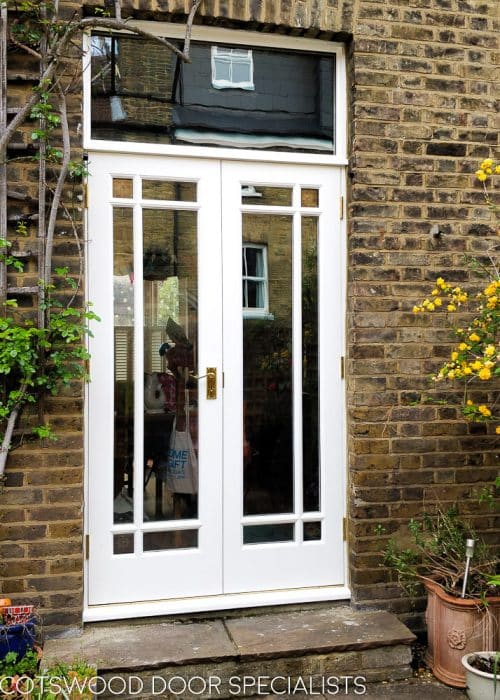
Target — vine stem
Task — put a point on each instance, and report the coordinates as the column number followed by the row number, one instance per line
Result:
column 9, row 429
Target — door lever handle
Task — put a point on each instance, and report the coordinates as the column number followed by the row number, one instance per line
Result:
column 192, row 375
column 211, row 376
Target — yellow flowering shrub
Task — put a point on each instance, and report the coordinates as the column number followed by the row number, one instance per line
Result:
column 474, row 360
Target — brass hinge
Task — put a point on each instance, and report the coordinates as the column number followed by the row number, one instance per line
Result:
column 341, row 206
column 342, row 367
column 344, row 529
column 87, row 546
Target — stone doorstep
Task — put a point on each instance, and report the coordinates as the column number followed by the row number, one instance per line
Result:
column 311, row 643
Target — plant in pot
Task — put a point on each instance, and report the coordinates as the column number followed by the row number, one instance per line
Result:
column 483, row 675
column 459, row 573
column 461, row 578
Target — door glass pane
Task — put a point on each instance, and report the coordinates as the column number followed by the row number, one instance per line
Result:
column 266, row 196
column 123, row 289
column 267, row 375
column 309, row 197
column 166, row 189
column 310, row 367
column 123, row 543
column 172, row 539
column 312, row 531
column 123, row 187
column 260, row 534
column 170, row 348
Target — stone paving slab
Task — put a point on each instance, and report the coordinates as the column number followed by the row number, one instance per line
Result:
column 317, row 631
column 137, row 647
column 413, row 689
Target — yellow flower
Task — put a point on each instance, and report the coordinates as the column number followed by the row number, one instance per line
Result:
column 437, row 302
column 467, row 370
column 476, row 365
column 481, row 175
column 416, row 309
column 489, row 350
column 451, row 374
column 451, row 307
column 497, row 429
column 469, row 402
column 474, row 337
column 487, row 163
column 462, row 346
column 430, row 306
column 434, row 292
column 484, row 410
column 454, row 355
column 440, row 282
column 484, row 374
column 497, row 172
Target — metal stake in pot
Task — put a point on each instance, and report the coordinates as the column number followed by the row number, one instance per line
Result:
column 469, row 553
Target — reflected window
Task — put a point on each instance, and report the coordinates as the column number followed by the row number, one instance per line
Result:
column 254, row 272
column 232, row 68
column 229, row 96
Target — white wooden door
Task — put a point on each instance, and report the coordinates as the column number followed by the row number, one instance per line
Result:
column 283, row 484
column 195, row 265
column 154, row 271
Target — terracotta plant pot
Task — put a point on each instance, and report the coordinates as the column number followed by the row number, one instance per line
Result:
column 480, row 685
column 458, row 626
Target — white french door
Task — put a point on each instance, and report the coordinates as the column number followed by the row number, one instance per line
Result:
column 215, row 408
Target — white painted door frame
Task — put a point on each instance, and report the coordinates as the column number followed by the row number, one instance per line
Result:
column 255, row 574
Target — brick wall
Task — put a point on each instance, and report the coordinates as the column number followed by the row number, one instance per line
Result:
column 421, row 116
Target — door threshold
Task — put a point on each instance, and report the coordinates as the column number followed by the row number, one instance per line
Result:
column 228, row 601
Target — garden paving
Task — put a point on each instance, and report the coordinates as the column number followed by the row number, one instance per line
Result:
column 312, row 644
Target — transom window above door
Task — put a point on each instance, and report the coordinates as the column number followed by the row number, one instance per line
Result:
column 232, row 96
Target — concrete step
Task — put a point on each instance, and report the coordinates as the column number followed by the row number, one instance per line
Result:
column 286, row 653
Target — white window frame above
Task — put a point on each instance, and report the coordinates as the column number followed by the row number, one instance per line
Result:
column 234, row 38
column 230, row 57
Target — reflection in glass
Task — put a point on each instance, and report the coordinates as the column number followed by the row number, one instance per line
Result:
column 123, row 187
column 285, row 102
column 310, row 367
column 170, row 343
column 167, row 190
column 267, row 376
column 266, row 196
column 254, row 276
column 309, row 197
column 260, row 534
column 123, row 287
column 312, row 531
column 123, row 543
column 172, row 539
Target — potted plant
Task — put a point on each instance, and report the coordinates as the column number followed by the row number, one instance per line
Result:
column 463, row 601
column 483, row 675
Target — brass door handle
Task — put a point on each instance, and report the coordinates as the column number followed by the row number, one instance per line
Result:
column 211, row 377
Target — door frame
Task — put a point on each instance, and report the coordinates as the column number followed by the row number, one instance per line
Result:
column 338, row 162
column 233, row 600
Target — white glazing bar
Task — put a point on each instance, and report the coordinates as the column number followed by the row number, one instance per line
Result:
column 138, row 469
column 297, row 357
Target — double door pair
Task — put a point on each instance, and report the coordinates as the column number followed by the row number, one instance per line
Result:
column 215, row 407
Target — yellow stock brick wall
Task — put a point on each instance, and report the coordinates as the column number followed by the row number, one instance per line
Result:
column 421, row 115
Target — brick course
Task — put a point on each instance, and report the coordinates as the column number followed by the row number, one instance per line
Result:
column 421, row 115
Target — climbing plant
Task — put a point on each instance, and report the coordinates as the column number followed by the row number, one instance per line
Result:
column 42, row 345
